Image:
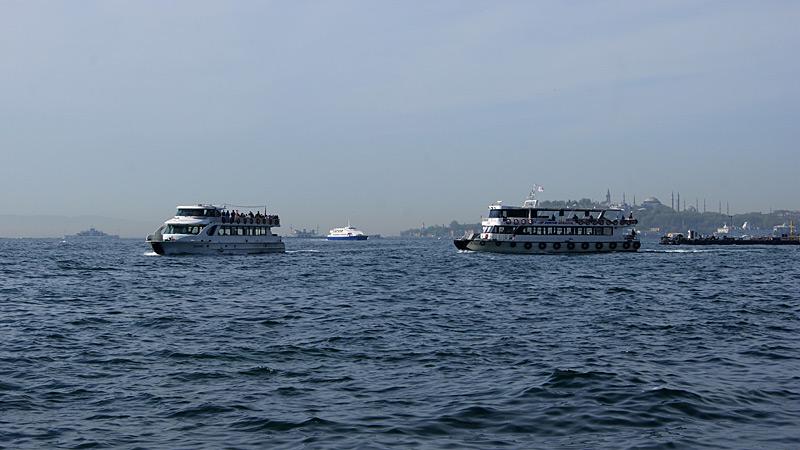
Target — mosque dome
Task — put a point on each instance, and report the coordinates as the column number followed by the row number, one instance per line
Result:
column 651, row 201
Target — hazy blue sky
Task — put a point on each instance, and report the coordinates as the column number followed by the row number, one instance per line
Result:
column 391, row 113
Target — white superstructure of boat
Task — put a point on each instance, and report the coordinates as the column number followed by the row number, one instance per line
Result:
column 785, row 231
column 531, row 229
column 211, row 229
column 348, row 233
column 733, row 231
column 724, row 230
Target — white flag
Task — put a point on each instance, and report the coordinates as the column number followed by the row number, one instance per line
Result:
column 539, row 189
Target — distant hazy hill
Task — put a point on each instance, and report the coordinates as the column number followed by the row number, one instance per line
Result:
column 455, row 229
column 37, row 226
column 666, row 219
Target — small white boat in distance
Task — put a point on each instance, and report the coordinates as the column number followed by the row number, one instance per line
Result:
column 348, row 233
column 210, row 229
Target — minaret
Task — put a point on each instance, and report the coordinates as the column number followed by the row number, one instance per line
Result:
column 673, row 200
column 608, row 196
column 623, row 198
column 679, row 201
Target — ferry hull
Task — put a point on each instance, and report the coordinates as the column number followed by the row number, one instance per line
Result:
column 347, row 238
column 213, row 248
column 521, row 247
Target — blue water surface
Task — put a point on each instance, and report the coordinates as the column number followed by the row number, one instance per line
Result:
column 397, row 343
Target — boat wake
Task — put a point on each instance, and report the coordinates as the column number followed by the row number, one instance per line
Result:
column 150, row 253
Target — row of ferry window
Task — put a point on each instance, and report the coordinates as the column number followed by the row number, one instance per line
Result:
column 243, row 231
column 183, row 229
column 199, row 212
column 528, row 213
column 580, row 231
column 513, row 213
column 224, row 230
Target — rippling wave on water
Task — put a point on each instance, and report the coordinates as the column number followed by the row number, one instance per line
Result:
column 397, row 343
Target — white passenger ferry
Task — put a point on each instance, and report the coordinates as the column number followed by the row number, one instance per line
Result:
column 348, row 233
column 210, row 229
column 530, row 229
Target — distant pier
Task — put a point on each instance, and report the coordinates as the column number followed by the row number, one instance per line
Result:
column 682, row 240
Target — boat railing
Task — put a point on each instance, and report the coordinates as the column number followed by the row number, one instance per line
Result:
column 570, row 221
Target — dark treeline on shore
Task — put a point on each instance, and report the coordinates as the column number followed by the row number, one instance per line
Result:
column 653, row 219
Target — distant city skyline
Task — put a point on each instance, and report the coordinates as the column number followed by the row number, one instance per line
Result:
column 57, row 226
column 394, row 113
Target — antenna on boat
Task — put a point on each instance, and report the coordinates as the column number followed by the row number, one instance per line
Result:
column 531, row 201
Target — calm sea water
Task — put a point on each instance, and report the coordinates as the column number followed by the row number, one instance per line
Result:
column 397, row 343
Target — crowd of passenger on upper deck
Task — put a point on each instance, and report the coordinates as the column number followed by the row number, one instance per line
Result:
column 235, row 216
column 591, row 220
column 230, row 216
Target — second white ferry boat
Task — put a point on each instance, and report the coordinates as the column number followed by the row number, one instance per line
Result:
column 348, row 233
column 530, row 229
column 210, row 229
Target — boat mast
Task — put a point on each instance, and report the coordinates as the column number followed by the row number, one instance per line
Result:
column 531, row 201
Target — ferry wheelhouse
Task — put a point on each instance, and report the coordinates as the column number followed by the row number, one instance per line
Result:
column 211, row 229
column 531, row 229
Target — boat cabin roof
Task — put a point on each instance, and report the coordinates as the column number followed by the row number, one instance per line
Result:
column 200, row 206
